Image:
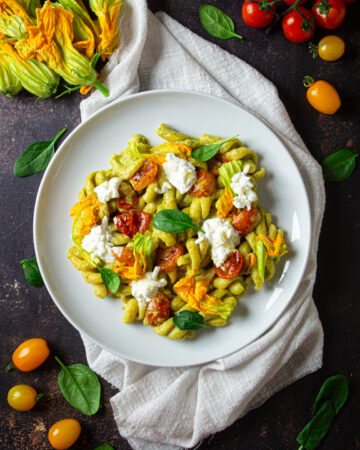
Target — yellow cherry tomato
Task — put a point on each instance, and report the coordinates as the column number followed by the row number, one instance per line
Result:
column 30, row 354
column 64, row 434
column 322, row 95
column 331, row 48
column 22, row 397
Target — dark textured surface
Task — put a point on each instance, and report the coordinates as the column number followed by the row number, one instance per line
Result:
column 29, row 312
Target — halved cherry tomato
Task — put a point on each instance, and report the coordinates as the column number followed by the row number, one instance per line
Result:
column 205, row 184
column 167, row 257
column 64, row 434
column 295, row 27
column 231, row 267
column 258, row 14
column 30, row 354
column 322, row 96
column 246, row 220
column 124, row 255
column 158, row 310
column 132, row 222
column 144, row 176
column 22, row 397
column 329, row 14
column 127, row 197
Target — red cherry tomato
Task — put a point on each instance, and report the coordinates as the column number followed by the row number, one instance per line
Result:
column 329, row 14
column 127, row 198
column 205, row 184
column 167, row 257
column 231, row 267
column 295, row 28
column 158, row 310
column 132, row 222
column 246, row 220
column 144, row 176
column 124, row 255
column 291, row 2
column 256, row 14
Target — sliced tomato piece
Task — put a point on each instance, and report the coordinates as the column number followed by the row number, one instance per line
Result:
column 144, row 176
column 205, row 184
column 124, row 255
column 132, row 222
column 142, row 220
column 246, row 220
column 231, row 267
column 167, row 257
column 128, row 199
column 158, row 310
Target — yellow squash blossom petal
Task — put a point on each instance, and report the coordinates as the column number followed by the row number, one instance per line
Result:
column 107, row 12
column 172, row 147
column 85, row 214
column 275, row 246
column 225, row 203
column 132, row 272
column 9, row 83
column 13, row 15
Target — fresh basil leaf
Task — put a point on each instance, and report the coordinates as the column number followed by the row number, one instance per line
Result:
column 80, row 386
column 104, row 447
column 173, row 221
column 334, row 389
column 208, row 151
column 187, row 320
column 32, row 272
column 314, row 431
column 36, row 157
column 217, row 23
column 110, row 279
column 339, row 165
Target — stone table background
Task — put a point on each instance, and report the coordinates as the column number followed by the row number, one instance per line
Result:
column 29, row 312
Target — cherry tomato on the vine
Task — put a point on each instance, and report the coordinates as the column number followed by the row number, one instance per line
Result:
column 330, row 48
column 64, row 434
column 258, row 14
column 322, row 96
column 329, row 14
column 22, row 397
column 30, row 354
column 298, row 25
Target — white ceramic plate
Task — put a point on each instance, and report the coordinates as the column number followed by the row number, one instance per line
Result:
column 89, row 147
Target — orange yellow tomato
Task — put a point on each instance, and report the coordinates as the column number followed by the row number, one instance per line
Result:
column 64, row 434
column 322, row 96
column 30, row 354
column 331, row 48
column 22, row 397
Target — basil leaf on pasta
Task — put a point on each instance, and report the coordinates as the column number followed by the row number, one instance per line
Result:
column 208, row 151
column 110, row 279
column 187, row 320
column 104, row 447
column 339, row 165
column 173, row 221
column 217, row 23
column 32, row 272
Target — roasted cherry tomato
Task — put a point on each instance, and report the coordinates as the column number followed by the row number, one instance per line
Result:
column 295, row 27
column 167, row 257
column 144, row 176
column 322, row 96
column 231, row 267
column 205, row 184
column 258, row 14
column 330, row 48
column 22, row 397
column 158, row 310
column 30, row 354
column 329, row 14
column 246, row 220
column 124, row 255
column 291, row 2
column 64, row 434
column 132, row 222
column 127, row 197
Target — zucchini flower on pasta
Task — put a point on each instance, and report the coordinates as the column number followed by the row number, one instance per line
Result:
column 9, row 83
column 107, row 12
column 85, row 214
column 275, row 247
column 13, row 15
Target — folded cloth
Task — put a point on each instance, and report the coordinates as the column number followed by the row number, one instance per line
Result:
column 167, row 408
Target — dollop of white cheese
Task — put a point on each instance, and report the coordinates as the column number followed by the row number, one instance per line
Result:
column 108, row 189
column 145, row 289
column 98, row 241
column 242, row 187
column 222, row 237
column 180, row 173
column 165, row 187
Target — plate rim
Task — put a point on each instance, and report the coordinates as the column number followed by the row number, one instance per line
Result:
column 57, row 156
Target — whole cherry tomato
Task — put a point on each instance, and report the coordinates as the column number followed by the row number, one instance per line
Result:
column 64, row 434
column 298, row 25
column 246, row 220
column 132, row 222
column 291, row 2
column 30, row 354
column 205, row 184
column 330, row 48
column 231, row 267
column 322, row 96
column 329, row 14
column 158, row 310
column 167, row 257
column 144, row 176
column 258, row 14
column 22, row 397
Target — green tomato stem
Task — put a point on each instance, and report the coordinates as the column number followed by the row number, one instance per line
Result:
column 10, row 367
column 40, row 396
column 102, row 89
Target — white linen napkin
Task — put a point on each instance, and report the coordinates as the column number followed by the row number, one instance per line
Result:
column 168, row 408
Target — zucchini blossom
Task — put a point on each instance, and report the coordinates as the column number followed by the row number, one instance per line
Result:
column 107, row 12
column 13, row 15
column 50, row 40
column 9, row 83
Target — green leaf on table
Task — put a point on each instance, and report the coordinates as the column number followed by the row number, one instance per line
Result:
column 173, row 221
column 335, row 389
column 80, row 386
column 208, row 151
column 217, row 23
column 110, row 279
column 339, row 165
column 187, row 320
column 104, row 447
column 32, row 272
column 36, row 157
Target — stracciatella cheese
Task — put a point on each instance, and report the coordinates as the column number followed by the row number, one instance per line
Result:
column 108, row 189
column 243, row 189
column 98, row 241
column 180, row 173
column 145, row 289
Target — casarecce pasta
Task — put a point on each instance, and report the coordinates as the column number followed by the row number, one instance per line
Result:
column 199, row 272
